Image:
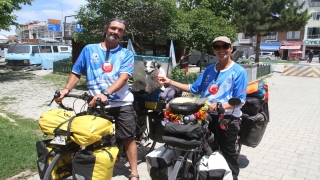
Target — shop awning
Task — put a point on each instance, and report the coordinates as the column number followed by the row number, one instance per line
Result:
column 290, row 47
column 270, row 46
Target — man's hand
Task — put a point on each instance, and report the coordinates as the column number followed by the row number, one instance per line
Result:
column 63, row 92
column 213, row 107
column 102, row 97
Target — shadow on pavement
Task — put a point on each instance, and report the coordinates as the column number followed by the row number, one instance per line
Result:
column 243, row 161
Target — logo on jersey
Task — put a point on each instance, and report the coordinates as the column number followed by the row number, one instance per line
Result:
column 213, row 89
column 94, row 56
column 107, row 67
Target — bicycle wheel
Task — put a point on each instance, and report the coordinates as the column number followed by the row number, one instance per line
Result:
column 54, row 162
column 59, row 167
column 142, row 133
column 177, row 166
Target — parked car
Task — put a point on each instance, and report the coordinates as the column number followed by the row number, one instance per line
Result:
column 194, row 58
column 316, row 58
column 264, row 55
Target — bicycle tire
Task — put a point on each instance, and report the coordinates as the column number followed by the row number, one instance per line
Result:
column 47, row 175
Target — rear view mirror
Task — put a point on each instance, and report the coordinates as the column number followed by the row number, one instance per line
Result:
column 234, row 101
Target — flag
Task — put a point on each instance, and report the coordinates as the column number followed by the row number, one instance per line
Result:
column 130, row 47
column 172, row 55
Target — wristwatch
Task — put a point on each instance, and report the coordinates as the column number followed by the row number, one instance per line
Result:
column 105, row 93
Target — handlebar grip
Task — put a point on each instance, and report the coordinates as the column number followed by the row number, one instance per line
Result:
column 57, row 94
column 220, row 109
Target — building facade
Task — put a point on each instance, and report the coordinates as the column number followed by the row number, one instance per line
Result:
column 39, row 30
column 311, row 41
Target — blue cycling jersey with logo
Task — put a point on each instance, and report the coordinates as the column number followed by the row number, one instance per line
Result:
column 223, row 85
column 101, row 73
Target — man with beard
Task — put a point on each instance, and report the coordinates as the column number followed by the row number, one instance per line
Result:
column 108, row 66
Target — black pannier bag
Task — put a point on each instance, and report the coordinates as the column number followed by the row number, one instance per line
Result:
column 186, row 105
column 252, row 129
column 155, row 126
column 183, row 136
column 253, row 105
column 45, row 152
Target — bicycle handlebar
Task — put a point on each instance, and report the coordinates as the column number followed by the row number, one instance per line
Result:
column 86, row 97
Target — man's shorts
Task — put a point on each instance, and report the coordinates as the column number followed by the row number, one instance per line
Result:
column 124, row 122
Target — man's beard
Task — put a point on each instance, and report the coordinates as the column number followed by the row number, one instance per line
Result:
column 111, row 38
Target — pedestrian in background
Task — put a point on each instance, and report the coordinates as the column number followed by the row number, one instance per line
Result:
column 310, row 54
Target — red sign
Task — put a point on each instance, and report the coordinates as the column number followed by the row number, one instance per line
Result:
column 30, row 40
column 291, row 43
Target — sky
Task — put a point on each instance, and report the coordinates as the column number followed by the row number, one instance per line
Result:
column 42, row 10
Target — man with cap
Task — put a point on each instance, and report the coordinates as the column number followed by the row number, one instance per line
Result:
column 220, row 82
column 108, row 66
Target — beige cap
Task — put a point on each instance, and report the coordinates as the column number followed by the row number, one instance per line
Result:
column 221, row 38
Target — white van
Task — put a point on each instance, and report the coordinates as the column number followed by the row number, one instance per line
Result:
column 194, row 58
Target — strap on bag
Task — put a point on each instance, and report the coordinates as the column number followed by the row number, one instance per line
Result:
column 58, row 131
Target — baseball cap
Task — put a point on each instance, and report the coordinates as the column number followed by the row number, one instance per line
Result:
column 221, row 38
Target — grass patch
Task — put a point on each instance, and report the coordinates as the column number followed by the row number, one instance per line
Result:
column 5, row 100
column 18, row 150
column 59, row 81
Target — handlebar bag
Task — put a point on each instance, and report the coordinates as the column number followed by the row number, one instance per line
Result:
column 190, row 131
column 186, row 105
column 46, row 154
column 94, row 162
column 84, row 130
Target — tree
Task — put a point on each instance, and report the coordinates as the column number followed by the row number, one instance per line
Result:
column 6, row 9
column 147, row 20
column 195, row 28
column 259, row 17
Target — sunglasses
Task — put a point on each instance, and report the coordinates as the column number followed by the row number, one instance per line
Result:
column 218, row 47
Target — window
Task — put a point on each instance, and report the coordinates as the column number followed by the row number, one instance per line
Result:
column 18, row 49
column 35, row 49
column 55, row 49
column 316, row 16
column 293, row 35
column 313, row 32
column 271, row 35
column 45, row 49
column 66, row 49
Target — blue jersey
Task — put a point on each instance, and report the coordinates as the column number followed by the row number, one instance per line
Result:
column 101, row 73
column 223, row 85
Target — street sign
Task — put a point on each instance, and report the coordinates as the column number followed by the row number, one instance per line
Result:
column 79, row 27
column 54, row 27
